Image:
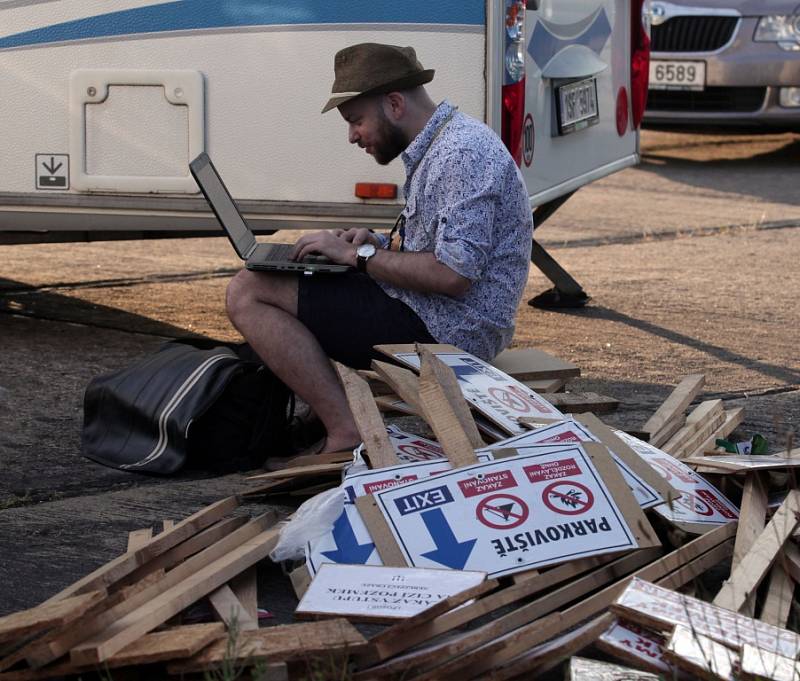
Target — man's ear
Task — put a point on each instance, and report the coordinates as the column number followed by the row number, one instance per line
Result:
column 395, row 106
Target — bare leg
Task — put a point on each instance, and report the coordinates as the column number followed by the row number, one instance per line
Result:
column 263, row 307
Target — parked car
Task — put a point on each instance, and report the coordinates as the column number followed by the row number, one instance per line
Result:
column 725, row 62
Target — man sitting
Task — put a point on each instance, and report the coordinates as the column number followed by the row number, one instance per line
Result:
column 452, row 270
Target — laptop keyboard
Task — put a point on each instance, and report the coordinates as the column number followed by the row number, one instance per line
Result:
column 280, row 251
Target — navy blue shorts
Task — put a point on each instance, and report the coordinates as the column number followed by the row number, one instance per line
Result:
column 349, row 314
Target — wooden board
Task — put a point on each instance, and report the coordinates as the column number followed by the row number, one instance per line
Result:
column 700, row 656
column 705, row 413
column 578, row 403
column 111, row 572
column 230, row 610
column 674, row 405
column 584, row 669
column 379, row 531
column 369, row 421
column 746, row 577
column 433, row 369
column 19, row 625
column 741, row 462
column 532, row 364
column 404, row 382
column 733, row 418
column 245, row 586
column 780, row 594
column 161, row 646
column 169, row 603
column 323, row 469
column 285, row 642
column 545, row 385
column 752, row 518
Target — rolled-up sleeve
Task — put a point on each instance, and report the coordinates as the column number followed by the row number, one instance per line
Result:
column 466, row 211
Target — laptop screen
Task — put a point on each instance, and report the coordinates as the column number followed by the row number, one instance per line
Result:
column 222, row 204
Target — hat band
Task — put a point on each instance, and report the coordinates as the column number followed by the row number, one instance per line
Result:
column 345, row 94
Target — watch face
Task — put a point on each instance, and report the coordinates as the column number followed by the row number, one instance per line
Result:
column 366, row 250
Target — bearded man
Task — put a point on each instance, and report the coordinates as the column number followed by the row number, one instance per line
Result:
column 452, row 270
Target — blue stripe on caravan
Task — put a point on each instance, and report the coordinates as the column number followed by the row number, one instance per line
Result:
column 209, row 14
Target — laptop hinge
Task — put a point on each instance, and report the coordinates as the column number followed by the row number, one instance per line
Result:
column 250, row 252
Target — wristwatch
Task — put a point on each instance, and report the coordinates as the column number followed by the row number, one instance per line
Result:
column 363, row 253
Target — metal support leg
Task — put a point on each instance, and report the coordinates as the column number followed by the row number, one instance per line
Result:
column 566, row 292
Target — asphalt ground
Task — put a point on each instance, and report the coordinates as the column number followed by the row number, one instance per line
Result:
column 691, row 260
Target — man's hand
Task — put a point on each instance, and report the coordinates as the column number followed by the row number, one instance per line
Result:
column 337, row 244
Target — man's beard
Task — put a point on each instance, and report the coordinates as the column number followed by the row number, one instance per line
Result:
column 392, row 141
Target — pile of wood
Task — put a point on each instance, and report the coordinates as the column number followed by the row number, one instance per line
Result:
column 698, row 592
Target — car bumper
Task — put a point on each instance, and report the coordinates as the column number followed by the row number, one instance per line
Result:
column 743, row 81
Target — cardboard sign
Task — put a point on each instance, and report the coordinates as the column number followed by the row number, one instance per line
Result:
column 394, row 403
column 571, row 432
column 494, row 394
column 665, row 609
column 507, row 516
column 349, row 540
column 634, row 644
column 381, row 593
column 700, row 504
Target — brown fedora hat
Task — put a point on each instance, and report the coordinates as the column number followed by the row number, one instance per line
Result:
column 372, row 68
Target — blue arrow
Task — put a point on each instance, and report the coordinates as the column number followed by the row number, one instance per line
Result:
column 348, row 550
column 449, row 551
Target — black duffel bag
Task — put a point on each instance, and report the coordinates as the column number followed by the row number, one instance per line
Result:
column 199, row 403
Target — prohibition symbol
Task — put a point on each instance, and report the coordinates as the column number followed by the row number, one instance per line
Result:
column 509, row 399
column 694, row 504
column 502, row 511
column 568, row 497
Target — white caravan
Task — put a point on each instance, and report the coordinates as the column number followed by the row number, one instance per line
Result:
column 105, row 102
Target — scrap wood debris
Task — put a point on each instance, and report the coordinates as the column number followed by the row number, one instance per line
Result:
column 528, row 537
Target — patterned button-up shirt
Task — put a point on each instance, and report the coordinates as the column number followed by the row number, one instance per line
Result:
column 467, row 203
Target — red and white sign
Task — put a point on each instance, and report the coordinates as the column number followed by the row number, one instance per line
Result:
column 568, row 497
column 502, row 511
column 725, row 626
column 446, row 520
column 570, row 431
column 628, row 640
column 700, row 501
column 493, row 393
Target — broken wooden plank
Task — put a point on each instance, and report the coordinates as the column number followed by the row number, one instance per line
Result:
column 160, row 646
column 138, row 538
column 434, row 370
column 245, row 586
column 675, row 404
column 404, row 382
column 111, row 572
column 578, row 403
column 545, row 385
column 170, row 602
column 527, row 364
column 230, row 609
column 369, row 421
column 19, row 625
column 379, row 531
column 54, row 645
column 705, row 418
column 700, row 656
column 733, row 418
column 746, row 577
column 780, row 594
column 285, row 642
column 743, row 462
column 300, row 578
column 752, row 517
column 327, row 469
column 543, row 657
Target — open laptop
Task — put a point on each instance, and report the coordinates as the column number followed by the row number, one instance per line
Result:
column 257, row 256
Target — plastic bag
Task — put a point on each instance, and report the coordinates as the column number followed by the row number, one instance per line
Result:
column 313, row 519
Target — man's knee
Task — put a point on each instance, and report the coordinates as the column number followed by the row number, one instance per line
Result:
column 249, row 290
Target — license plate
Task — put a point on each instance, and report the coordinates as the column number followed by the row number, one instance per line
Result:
column 577, row 105
column 677, row 75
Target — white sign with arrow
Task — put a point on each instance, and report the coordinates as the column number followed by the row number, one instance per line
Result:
column 506, row 516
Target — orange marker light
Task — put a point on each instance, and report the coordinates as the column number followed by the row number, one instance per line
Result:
column 376, row 190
